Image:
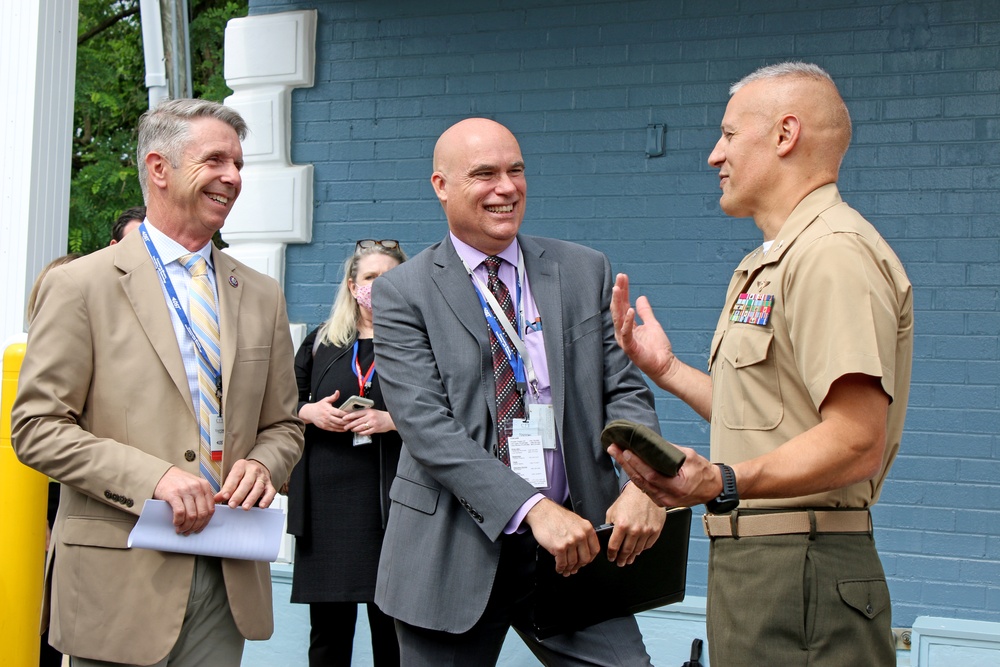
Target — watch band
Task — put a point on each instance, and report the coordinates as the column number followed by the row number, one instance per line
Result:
column 729, row 499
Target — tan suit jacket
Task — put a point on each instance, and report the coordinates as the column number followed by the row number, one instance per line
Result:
column 104, row 407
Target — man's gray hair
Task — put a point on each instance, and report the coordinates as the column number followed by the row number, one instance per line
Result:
column 838, row 114
column 791, row 68
column 165, row 130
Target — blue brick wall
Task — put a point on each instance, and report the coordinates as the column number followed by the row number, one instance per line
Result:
column 578, row 82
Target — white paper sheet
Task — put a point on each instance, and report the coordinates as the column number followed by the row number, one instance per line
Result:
column 231, row 533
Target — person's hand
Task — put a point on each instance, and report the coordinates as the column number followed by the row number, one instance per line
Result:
column 189, row 496
column 645, row 344
column 570, row 538
column 248, row 482
column 368, row 421
column 638, row 522
column 324, row 414
column 696, row 482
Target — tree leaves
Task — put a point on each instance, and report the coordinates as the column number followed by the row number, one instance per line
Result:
column 110, row 96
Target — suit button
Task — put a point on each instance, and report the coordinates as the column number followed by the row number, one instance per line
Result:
column 107, row 494
column 189, row 455
column 129, row 503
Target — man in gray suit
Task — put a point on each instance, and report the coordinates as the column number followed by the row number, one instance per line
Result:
column 477, row 492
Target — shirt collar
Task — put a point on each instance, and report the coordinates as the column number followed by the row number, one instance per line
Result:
column 170, row 250
column 474, row 257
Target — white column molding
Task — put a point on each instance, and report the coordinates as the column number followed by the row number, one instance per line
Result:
column 945, row 642
column 266, row 57
column 37, row 82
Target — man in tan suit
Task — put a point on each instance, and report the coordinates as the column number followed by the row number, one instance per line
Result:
column 110, row 405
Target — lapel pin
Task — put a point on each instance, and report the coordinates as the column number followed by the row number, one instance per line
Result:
column 233, row 281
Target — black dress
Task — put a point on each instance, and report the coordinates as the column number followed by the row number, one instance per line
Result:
column 338, row 493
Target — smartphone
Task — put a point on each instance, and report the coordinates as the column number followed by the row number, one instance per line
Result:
column 356, row 403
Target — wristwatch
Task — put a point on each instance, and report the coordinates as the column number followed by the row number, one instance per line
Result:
column 729, row 499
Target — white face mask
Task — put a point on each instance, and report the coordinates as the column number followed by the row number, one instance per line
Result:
column 363, row 294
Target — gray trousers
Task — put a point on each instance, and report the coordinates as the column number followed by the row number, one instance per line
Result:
column 791, row 601
column 208, row 636
column 614, row 643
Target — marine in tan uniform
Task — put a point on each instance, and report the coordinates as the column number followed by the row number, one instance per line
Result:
column 809, row 375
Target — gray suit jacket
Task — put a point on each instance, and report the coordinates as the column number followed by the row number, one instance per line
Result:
column 452, row 498
column 104, row 407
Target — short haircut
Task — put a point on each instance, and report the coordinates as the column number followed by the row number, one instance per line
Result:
column 128, row 215
column 840, row 116
column 165, row 130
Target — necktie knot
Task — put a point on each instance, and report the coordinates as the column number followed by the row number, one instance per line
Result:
column 195, row 264
column 492, row 263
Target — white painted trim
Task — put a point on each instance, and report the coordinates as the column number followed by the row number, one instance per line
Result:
column 266, row 56
column 945, row 642
column 37, row 83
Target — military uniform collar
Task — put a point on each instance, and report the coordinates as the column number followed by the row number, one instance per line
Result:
column 811, row 207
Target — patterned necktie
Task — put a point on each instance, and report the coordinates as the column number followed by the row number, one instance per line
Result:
column 509, row 401
column 205, row 322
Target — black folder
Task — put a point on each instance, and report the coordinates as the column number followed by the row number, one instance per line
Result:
column 601, row 590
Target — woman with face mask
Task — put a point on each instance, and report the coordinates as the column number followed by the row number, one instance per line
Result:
column 339, row 492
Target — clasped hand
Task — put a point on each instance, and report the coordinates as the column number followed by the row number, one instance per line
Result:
column 193, row 502
column 325, row 415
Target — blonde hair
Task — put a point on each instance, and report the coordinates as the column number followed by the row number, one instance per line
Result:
column 33, row 297
column 341, row 327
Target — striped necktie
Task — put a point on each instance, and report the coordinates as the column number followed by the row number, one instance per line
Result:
column 205, row 322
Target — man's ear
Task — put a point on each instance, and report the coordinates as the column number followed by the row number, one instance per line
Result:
column 438, row 181
column 788, row 134
column 156, row 169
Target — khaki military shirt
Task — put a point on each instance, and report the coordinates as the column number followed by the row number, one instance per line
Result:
column 828, row 298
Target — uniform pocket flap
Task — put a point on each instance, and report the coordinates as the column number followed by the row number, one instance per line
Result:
column 746, row 345
column 413, row 495
column 96, row 532
column 868, row 596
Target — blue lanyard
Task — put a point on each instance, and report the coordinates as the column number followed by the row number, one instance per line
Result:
column 364, row 383
column 513, row 358
column 176, row 303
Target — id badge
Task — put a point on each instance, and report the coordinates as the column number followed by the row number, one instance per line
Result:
column 543, row 419
column 360, row 439
column 218, row 437
column 527, row 457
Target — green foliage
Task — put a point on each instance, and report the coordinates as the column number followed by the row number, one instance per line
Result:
column 111, row 94
column 207, row 32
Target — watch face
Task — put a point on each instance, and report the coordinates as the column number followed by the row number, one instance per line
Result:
column 722, row 506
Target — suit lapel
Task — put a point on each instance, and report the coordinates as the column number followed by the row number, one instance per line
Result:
column 142, row 288
column 546, row 289
column 453, row 281
column 456, row 288
column 230, row 289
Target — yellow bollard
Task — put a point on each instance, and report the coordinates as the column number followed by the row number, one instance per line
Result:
column 23, row 498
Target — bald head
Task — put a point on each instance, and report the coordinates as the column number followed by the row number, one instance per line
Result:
column 456, row 142
column 479, row 180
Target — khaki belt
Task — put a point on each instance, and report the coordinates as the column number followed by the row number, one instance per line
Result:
column 807, row 522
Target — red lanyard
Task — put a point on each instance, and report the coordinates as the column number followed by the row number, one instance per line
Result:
column 364, row 381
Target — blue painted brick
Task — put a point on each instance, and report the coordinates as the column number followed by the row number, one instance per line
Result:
column 579, row 82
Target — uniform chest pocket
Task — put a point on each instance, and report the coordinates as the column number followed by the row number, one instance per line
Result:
column 749, row 386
